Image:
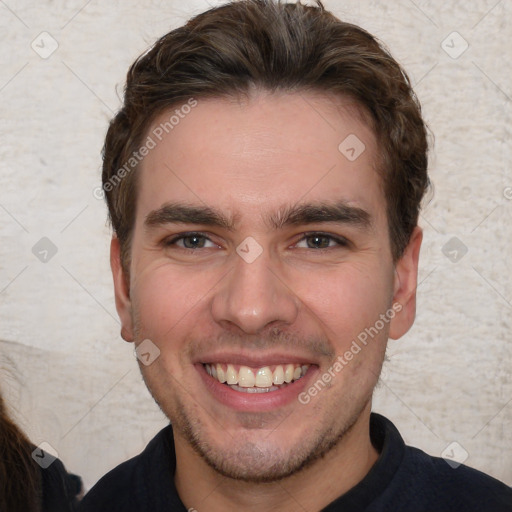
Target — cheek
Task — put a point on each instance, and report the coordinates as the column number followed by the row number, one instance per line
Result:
column 348, row 301
column 169, row 306
column 164, row 297
column 162, row 314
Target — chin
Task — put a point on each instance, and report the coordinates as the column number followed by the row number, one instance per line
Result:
column 249, row 463
column 262, row 456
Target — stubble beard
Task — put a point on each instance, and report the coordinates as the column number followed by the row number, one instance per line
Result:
column 249, row 462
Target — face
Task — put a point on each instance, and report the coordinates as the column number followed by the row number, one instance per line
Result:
column 260, row 254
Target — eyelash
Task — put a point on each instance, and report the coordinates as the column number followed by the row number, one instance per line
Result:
column 341, row 241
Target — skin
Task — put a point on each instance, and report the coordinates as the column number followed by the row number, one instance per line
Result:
column 303, row 296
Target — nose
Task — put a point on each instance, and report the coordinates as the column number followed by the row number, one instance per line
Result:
column 254, row 295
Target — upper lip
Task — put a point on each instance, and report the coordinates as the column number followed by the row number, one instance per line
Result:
column 253, row 360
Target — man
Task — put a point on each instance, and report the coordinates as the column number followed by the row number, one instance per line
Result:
column 263, row 179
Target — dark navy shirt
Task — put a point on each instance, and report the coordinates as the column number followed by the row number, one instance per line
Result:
column 403, row 479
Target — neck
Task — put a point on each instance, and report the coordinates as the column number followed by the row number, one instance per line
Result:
column 312, row 488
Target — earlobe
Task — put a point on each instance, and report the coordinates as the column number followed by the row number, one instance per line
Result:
column 122, row 291
column 406, row 282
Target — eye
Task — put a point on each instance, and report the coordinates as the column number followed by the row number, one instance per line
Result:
column 190, row 241
column 322, row 241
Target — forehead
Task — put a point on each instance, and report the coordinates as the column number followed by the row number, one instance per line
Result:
column 254, row 155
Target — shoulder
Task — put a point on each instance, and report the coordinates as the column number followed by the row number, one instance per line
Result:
column 112, row 492
column 60, row 489
column 124, row 488
column 411, row 479
column 444, row 486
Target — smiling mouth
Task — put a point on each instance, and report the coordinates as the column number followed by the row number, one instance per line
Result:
column 256, row 380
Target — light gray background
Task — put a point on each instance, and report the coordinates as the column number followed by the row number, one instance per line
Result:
column 72, row 381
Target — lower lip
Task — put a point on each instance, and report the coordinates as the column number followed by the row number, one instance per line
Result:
column 255, row 402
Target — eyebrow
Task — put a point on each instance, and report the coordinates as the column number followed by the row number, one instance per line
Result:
column 339, row 212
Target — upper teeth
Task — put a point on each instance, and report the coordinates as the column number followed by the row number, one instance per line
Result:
column 263, row 377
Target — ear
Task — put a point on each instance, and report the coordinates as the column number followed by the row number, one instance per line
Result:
column 122, row 290
column 406, row 282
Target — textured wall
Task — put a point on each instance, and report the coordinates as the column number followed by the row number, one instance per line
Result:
column 74, row 383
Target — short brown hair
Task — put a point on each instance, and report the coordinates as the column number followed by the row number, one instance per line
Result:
column 275, row 46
